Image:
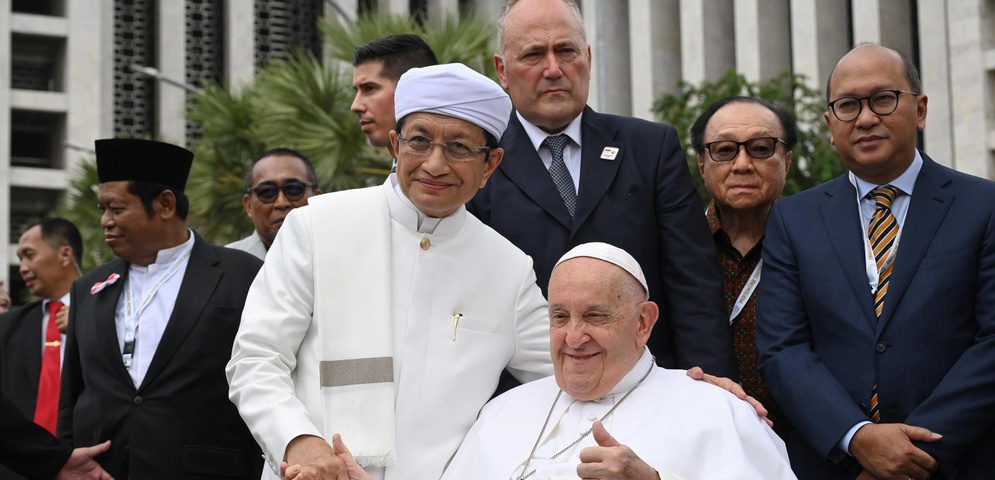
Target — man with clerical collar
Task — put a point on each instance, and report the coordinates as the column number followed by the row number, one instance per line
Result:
column 609, row 411
column 150, row 333
column 387, row 314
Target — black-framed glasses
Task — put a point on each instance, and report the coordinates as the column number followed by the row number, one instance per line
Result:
column 267, row 192
column 457, row 151
column 758, row 148
column 881, row 102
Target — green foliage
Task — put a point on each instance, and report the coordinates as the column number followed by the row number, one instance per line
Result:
column 296, row 103
column 460, row 38
column 814, row 160
column 79, row 205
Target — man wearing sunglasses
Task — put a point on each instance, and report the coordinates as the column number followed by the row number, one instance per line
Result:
column 876, row 313
column 279, row 181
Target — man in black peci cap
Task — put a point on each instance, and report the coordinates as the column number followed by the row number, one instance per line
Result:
column 150, row 333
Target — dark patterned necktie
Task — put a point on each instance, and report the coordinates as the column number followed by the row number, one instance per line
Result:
column 558, row 170
column 882, row 232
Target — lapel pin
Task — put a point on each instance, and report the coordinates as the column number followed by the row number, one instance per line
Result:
column 102, row 285
column 609, row 153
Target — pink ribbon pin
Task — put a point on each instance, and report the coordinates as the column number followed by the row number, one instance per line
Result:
column 102, row 285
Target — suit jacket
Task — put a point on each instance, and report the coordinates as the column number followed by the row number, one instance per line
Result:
column 644, row 202
column 179, row 422
column 252, row 244
column 20, row 356
column 27, row 448
column 932, row 352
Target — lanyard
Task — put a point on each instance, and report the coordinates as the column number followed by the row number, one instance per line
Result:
column 747, row 292
column 131, row 314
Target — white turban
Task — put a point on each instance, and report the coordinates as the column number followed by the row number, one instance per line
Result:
column 610, row 254
column 454, row 90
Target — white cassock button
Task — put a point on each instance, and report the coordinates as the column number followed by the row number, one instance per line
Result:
column 592, row 417
column 425, row 243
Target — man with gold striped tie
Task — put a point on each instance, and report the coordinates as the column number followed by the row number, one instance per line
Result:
column 876, row 316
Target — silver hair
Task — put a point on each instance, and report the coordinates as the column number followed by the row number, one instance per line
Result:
column 502, row 19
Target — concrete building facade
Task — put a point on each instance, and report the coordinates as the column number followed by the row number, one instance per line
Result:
column 71, row 69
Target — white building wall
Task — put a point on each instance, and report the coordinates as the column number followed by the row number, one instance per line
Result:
column 641, row 48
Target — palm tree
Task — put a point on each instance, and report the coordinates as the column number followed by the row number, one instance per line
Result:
column 298, row 102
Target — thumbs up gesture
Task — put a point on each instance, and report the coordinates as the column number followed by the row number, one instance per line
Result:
column 612, row 460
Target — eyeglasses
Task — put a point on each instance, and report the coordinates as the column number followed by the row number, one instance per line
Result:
column 881, row 102
column 759, row 148
column 267, row 192
column 419, row 145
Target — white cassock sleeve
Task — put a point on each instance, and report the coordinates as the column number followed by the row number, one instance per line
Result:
column 531, row 360
column 275, row 321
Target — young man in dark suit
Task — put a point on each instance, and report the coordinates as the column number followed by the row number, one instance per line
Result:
column 150, row 333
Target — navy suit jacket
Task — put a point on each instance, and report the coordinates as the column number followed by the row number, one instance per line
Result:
column 642, row 201
column 179, row 422
column 932, row 352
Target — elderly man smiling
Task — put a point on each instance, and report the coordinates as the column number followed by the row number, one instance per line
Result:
column 610, row 412
column 387, row 314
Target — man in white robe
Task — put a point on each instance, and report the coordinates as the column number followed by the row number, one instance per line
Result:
column 387, row 314
column 648, row 422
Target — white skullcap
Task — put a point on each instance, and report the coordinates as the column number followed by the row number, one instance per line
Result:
column 610, row 254
column 454, row 90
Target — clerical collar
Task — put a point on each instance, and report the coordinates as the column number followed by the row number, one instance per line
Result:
column 167, row 255
column 407, row 214
column 634, row 376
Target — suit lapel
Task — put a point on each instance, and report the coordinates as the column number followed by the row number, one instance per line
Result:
column 524, row 168
column 199, row 282
column 927, row 208
column 842, row 223
column 104, row 310
column 596, row 173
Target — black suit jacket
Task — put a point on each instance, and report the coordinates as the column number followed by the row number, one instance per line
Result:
column 642, row 201
column 20, row 356
column 27, row 448
column 20, row 361
column 179, row 422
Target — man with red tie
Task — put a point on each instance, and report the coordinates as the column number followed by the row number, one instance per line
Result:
column 32, row 335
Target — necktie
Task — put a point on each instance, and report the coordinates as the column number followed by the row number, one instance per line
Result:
column 47, row 405
column 881, row 234
column 558, row 170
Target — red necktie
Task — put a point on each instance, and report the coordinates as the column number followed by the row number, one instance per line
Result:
column 47, row 406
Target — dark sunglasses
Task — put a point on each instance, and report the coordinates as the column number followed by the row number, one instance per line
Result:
column 268, row 192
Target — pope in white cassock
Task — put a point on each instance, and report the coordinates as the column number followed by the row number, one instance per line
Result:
column 648, row 422
column 387, row 314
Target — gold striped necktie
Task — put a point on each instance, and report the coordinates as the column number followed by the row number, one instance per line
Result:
column 882, row 233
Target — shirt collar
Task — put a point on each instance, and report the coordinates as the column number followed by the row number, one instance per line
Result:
column 408, row 215
column 537, row 135
column 905, row 182
column 167, row 255
column 64, row 299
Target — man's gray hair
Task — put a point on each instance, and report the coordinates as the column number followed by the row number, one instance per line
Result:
column 502, row 18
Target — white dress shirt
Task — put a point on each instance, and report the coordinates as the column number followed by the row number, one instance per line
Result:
column 152, row 320
column 571, row 152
